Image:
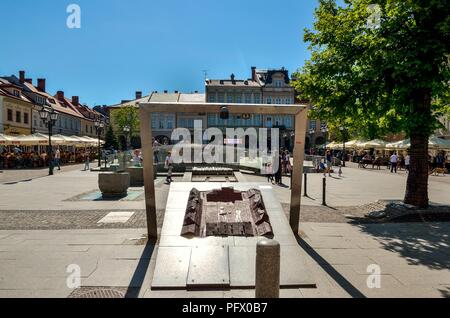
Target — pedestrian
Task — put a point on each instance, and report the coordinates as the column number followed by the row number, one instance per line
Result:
column 58, row 158
column 86, row 160
column 329, row 157
column 407, row 163
column 156, row 146
column 169, row 166
column 394, row 161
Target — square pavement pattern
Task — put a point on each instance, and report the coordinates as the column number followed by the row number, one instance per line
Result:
column 222, row 262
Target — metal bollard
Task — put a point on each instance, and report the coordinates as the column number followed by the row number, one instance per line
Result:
column 305, row 194
column 324, row 191
column 267, row 283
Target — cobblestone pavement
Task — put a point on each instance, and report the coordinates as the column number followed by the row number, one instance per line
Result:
column 64, row 220
column 23, row 175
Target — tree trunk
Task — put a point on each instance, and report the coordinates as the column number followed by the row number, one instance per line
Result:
column 417, row 184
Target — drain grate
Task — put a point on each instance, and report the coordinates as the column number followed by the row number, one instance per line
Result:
column 98, row 292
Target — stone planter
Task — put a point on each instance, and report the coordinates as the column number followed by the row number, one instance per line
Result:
column 114, row 185
column 136, row 176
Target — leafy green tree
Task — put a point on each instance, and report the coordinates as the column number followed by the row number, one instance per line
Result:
column 110, row 139
column 126, row 117
column 381, row 64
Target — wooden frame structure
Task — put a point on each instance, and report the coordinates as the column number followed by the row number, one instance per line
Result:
column 146, row 109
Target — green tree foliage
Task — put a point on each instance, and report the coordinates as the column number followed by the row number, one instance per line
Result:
column 380, row 66
column 110, row 139
column 127, row 116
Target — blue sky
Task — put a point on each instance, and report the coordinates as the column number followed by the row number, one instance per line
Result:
column 147, row 45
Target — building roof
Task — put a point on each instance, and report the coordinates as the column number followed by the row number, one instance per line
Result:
column 5, row 85
column 231, row 83
column 132, row 103
column 192, row 98
column 164, row 97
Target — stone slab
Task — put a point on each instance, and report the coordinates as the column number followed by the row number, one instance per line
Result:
column 116, row 217
column 172, row 267
column 222, row 261
column 209, row 267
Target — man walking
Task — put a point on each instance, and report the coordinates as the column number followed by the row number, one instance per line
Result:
column 394, row 162
column 86, row 160
column 58, row 158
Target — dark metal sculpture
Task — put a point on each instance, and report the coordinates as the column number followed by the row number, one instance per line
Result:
column 226, row 212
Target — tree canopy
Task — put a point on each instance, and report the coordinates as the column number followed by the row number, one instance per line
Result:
column 381, row 66
column 127, row 116
column 372, row 61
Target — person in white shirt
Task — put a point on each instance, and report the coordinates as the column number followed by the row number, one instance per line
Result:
column 407, row 162
column 58, row 158
column 394, row 162
column 169, row 167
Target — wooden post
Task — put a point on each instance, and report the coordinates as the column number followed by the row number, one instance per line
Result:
column 149, row 182
column 299, row 155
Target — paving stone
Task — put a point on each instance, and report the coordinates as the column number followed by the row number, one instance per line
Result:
column 209, row 267
column 175, row 275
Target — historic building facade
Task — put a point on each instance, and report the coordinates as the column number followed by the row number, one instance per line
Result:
column 16, row 109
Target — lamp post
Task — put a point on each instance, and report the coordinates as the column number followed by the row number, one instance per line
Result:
column 311, row 132
column 343, row 131
column 99, row 126
column 49, row 118
column 324, row 130
column 126, row 131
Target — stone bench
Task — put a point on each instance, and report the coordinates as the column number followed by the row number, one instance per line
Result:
column 114, row 185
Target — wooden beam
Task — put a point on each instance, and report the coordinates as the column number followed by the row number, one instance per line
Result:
column 299, row 155
column 149, row 181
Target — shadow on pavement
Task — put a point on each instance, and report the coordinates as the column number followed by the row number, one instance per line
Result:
column 425, row 244
column 141, row 270
column 329, row 269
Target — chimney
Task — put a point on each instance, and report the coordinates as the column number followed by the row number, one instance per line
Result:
column 75, row 100
column 29, row 80
column 254, row 73
column 138, row 95
column 232, row 77
column 165, row 92
column 176, row 92
column 196, row 92
column 60, row 95
column 41, row 84
column 22, row 77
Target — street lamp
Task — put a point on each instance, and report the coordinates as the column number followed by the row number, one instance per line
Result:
column 99, row 126
column 343, row 131
column 126, row 131
column 324, row 130
column 49, row 118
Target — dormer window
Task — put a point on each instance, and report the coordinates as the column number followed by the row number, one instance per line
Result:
column 16, row 93
column 278, row 83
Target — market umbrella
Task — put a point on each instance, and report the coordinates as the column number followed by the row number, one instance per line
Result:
column 376, row 143
column 6, row 140
column 353, row 143
column 439, row 143
column 31, row 140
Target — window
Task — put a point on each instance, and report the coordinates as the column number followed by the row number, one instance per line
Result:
column 16, row 93
column 278, row 101
column 18, row 117
column 238, row 99
column 278, row 83
column 91, row 129
column 248, row 98
column 10, row 115
column 257, row 99
column 269, row 100
column 221, row 98
column 312, row 125
column 287, row 101
column 212, row 98
column 170, row 121
column 229, row 98
column 86, row 128
column 25, row 118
